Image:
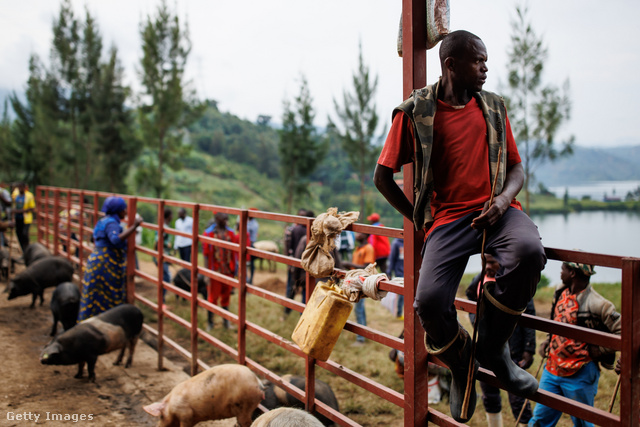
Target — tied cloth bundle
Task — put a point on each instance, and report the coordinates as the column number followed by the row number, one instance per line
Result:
column 358, row 284
column 437, row 23
column 317, row 258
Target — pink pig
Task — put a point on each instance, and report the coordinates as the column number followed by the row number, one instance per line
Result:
column 224, row 391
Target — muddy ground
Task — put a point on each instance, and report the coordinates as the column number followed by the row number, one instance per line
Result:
column 35, row 394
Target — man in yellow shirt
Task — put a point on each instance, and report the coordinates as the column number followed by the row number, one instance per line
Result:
column 24, row 206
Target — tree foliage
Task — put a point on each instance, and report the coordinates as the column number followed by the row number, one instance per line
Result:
column 536, row 112
column 72, row 127
column 359, row 121
column 167, row 104
column 301, row 149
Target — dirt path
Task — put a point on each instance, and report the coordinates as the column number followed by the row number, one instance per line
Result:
column 30, row 392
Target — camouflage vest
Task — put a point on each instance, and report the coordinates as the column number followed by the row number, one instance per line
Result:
column 421, row 109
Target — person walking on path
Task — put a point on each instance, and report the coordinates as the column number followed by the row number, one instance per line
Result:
column 452, row 133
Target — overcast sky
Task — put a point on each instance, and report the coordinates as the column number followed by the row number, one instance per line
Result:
column 249, row 55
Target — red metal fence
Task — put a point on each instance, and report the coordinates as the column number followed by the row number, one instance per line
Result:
column 66, row 212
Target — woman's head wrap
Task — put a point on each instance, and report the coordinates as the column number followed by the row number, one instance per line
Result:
column 114, row 205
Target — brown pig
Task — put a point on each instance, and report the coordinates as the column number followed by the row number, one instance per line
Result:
column 224, row 391
column 287, row 417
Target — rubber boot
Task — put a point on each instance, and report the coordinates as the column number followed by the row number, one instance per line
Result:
column 497, row 323
column 456, row 356
column 494, row 420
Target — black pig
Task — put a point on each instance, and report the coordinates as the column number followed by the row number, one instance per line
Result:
column 275, row 397
column 34, row 252
column 115, row 329
column 183, row 281
column 65, row 303
column 44, row 273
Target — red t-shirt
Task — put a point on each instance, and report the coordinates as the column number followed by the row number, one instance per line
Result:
column 459, row 159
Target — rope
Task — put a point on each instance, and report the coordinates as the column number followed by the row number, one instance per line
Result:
column 361, row 283
column 470, row 375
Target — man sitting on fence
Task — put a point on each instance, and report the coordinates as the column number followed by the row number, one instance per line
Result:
column 572, row 368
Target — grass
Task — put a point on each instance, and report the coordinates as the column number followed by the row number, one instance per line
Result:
column 370, row 360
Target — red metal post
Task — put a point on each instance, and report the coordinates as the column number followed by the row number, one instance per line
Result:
column 81, row 238
column 242, row 292
column 414, row 75
column 68, row 237
column 132, row 208
column 56, row 220
column 194, row 288
column 160, row 312
column 38, row 200
column 630, row 383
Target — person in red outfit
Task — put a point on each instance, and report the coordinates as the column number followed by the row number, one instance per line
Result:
column 222, row 261
column 381, row 244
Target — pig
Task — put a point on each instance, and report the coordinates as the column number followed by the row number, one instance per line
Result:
column 286, row 417
column 44, row 273
column 115, row 329
column 223, row 391
column 275, row 397
column 65, row 303
column 34, row 252
column 183, row 281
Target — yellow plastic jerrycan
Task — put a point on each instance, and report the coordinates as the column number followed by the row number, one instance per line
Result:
column 322, row 321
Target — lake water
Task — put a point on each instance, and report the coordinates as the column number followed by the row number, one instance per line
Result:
column 597, row 190
column 611, row 233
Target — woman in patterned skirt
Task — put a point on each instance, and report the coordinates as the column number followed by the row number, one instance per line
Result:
column 104, row 277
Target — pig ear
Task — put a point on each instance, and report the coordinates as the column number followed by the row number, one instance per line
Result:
column 155, row 409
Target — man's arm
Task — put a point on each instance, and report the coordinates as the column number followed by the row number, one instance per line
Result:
column 512, row 186
column 384, row 182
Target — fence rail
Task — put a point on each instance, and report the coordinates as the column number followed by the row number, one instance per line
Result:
column 65, row 220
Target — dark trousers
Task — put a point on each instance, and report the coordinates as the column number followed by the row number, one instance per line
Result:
column 514, row 242
column 185, row 253
column 22, row 231
column 493, row 403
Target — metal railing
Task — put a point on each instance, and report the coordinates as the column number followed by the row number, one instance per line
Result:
column 57, row 225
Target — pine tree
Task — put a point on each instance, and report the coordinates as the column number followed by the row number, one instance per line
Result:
column 359, row 121
column 301, row 150
column 536, row 112
column 167, row 103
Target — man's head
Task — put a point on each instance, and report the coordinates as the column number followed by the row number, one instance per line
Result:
column 168, row 214
column 463, row 58
column 182, row 213
column 221, row 219
column 492, row 266
column 362, row 238
column 373, row 218
column 302, row 212
column 21, row 187
column 571, row 272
